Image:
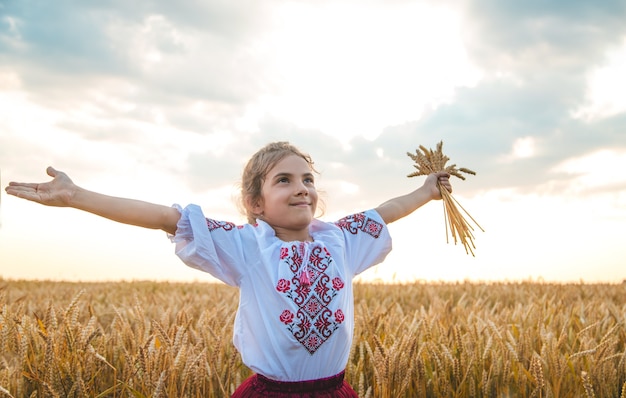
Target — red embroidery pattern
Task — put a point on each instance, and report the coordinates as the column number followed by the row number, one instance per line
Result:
column 313, row 323
column 225, row 225
column 339, row 317
column 360, row 222
column 286, row 317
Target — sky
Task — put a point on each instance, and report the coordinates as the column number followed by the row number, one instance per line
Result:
column 165, row 101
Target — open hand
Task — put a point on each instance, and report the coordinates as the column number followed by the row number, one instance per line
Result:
column 57, row 192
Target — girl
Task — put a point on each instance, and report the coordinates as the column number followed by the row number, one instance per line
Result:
column 295, row 319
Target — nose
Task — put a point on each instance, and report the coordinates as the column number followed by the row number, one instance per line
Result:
column 302, row 190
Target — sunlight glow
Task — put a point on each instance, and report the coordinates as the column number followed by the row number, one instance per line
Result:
column 339, row 68
column 164, row 105
column 595, row 170
column 606, row 88
column 524, row 147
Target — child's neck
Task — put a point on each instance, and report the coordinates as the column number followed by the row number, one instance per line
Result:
column 291, row 236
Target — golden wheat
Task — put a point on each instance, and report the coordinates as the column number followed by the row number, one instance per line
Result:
column 147, row 339
column 427, row 162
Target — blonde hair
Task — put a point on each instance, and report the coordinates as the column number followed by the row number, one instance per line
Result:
column 257, row 168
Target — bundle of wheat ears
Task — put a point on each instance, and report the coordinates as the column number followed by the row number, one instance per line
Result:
column 428, row 161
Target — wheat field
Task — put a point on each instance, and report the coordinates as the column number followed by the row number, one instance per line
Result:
column 148, row 339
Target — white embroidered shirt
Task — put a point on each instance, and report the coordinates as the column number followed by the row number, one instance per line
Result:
column 295, row 318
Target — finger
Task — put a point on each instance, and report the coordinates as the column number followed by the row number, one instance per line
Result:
column 33, row 197
column 18, row 185
column 51, row 171
column 21, row 191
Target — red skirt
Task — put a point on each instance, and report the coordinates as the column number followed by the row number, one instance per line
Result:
column 260, row 386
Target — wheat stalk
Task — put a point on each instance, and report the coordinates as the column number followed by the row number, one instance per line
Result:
column 419, row 339
column 427, row 162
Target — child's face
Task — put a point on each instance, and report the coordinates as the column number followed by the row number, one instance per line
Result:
column 289, row 198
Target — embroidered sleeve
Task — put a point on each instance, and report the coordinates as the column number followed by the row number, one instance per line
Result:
column 209, row 245
column 360, row 222
column 367, row 240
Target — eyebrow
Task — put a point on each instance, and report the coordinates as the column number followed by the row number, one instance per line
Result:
column 286, row 174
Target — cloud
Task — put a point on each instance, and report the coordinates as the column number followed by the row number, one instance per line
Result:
column 542, row 36
column 535, row 60
column 597, row 172
column 140, row 61
column 167, row 101
column 191, row 73
column 606, row 88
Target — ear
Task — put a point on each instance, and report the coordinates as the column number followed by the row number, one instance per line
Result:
column 254, row 206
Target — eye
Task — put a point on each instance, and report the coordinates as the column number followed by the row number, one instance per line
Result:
column 309, row 180
column 283, row 179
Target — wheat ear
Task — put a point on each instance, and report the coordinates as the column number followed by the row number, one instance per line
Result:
column 428, row 161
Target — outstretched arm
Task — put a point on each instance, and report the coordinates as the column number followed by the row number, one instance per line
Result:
column 396, row 208
column 62, row 192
